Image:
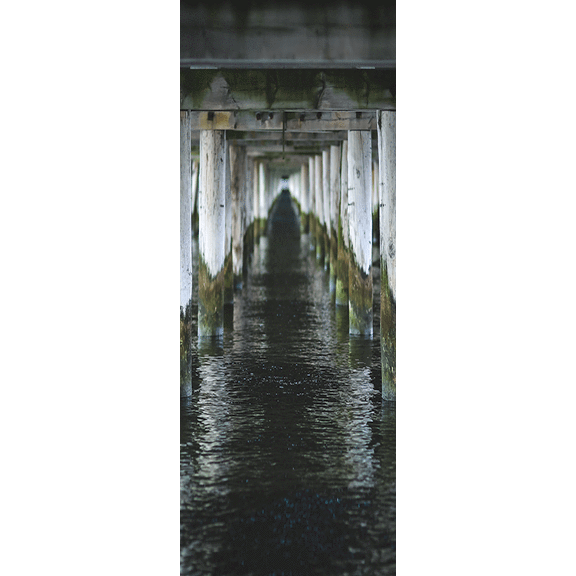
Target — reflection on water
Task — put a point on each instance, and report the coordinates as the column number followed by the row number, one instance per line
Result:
column 287, row 451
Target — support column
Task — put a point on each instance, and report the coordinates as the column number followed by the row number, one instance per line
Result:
column 185, row 256
column 334, row 211
column 238, row 189
column 326, row 205
column 228, row 273
column 256, row 199
column 387, row 189
column 312, row 200
column 319, row 208
column 343, row 234
column 360, row 220
column 249, row 213
column 212, row 219
column 375, row 210
column 304, row 195
column 262, row 197
column 194, row 208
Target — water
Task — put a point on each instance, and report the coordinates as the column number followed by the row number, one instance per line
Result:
column 287, row 450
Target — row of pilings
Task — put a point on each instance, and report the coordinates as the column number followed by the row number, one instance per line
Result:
column 339, row 208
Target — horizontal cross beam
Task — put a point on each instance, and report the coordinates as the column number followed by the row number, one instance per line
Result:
column 287, row 89
column 277, row 120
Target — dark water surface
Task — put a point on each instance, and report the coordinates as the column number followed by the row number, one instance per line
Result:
column 287, row 451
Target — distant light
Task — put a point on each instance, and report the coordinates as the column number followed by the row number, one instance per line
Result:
column 366, row 67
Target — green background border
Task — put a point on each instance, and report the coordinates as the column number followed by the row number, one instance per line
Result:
column 90, row 281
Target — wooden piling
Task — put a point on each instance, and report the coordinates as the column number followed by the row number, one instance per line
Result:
column 319, row 208
column 335, row 152
column 312, row 200
column 238, row 189
column 228, row 272
column 386, row 124
column 304, row 197
column 343, row 234
column 185, row 256
column 326, row 200
column 360, row 226
column 212, row 219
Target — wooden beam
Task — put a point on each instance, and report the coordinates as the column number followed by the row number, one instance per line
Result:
column 287, row 89
column 275, row 120
column 276, row 136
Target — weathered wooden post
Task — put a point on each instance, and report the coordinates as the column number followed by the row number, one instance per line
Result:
column 312, row 200
column 319, row 208
column 304, row 197
column 360, row 225
column 326, row 205
column 195, row 170
column 249, row 212
column 238, row 188
column 212, row 219
column 185, row 256
column 228, row 273
column 256, row 200
column 334, row 211
column 343, row 234
column 387, row 189
column 375, row 208
column 262, row 182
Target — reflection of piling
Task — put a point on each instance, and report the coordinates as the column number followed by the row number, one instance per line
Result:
column 185, row 255
column 212, row 217
column 343, row 256
column 387, row 191
column 360, row 221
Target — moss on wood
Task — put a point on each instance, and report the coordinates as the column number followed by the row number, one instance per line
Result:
column 360, row 299
column 210, row 301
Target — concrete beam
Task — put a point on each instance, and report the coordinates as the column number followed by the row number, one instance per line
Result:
column 343, row 33
column 277, row 89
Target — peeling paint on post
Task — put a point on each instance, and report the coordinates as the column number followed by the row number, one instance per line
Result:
column 387, row 192
column 360, row 222
column 237, row 188
column 212, row 217
column 334, row 211
column 343, row 234
column 185, row 257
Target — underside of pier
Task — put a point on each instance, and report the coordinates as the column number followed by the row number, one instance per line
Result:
column 299, row 95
